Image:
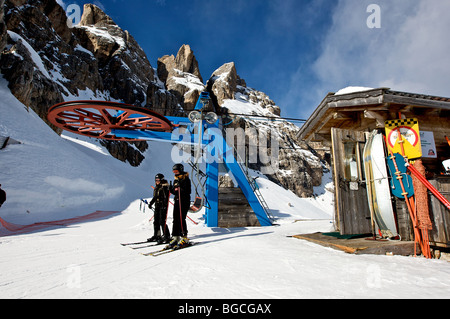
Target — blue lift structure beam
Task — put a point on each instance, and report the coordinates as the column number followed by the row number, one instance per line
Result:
column 122, row 122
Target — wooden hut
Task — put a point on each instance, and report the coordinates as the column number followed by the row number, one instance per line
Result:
column 343, row 122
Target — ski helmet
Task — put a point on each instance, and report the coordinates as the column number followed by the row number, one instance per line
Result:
column 178, row 167
column 159, row 176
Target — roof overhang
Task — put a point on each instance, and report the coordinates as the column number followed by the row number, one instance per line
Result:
column 367, row 109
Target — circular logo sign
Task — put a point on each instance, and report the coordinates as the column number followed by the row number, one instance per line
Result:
column 408, row 133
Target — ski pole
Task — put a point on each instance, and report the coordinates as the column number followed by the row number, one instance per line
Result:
column 179, row 205
column 169, row 202
column 145, row 202
column 167, row 213
column 153, row 215
column 192, row 220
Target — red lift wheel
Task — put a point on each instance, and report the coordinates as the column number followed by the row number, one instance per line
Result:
column 97, row 119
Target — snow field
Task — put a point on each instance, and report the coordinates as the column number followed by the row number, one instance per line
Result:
column 87, row 261
column 52, row 178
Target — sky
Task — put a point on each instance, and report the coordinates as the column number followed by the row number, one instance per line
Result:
column 297, row 51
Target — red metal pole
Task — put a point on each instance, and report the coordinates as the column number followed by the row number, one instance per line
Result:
column 435, row 192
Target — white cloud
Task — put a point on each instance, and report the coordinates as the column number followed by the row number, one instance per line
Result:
column 410, row 52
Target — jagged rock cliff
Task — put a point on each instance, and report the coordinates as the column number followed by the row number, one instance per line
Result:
column 181, row 76
column 295, row 167
column 46, row 62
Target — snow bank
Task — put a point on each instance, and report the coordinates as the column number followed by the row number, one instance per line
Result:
column 286, row 207
column 47, row 177
column 242, row 105
column 352, row 89
column 34, row 55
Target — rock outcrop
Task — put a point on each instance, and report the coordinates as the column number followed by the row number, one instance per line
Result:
column 2, row 26
column 181, row 76
column 123, row 65
column 294, row 166
column 223, row 83
column 46, row 62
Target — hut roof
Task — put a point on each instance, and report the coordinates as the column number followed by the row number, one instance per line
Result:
column 367, row 109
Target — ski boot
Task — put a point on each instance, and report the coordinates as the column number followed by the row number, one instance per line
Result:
column 153, row 239
column 163, row 240
column 173, row 243
column 184, row 242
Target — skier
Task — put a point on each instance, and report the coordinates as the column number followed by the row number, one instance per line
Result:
column 181, row 188
column 2, row 196
column 160, row 200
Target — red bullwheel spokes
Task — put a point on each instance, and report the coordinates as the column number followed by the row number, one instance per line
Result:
column 99, row 119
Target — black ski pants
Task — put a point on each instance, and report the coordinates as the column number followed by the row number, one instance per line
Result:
column 179, row 219
column 159, row 221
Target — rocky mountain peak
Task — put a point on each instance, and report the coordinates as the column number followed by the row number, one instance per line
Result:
column 253, row 111
column 223, row 83
column 185, row 62
column 181, row 76
column 46, row 62
column 94, row 16
column 124, row 65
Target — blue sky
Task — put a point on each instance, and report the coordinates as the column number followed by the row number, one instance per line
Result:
column 297, row 51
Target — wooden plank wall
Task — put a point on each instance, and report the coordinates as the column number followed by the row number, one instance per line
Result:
column 405, row 227
column 234, row 209
column 440, row 215
column 352, row 212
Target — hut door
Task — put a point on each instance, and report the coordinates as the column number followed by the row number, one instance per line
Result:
column 352, row 209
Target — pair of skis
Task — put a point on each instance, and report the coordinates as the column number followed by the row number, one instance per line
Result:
column 139, row 245
column 158, row 252
column 168, row 250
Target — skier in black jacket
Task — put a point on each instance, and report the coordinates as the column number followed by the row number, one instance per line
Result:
column 160, row 200
column 181, row 188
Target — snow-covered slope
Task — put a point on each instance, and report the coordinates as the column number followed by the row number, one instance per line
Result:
column 51, row 178
column 87, row 261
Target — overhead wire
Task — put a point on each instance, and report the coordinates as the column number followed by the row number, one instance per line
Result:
column 271, row 118
column 278, row 118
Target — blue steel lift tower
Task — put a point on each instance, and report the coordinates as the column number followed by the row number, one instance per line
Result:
column 122, row 122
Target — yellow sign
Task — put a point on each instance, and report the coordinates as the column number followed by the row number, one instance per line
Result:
column 407, row 143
